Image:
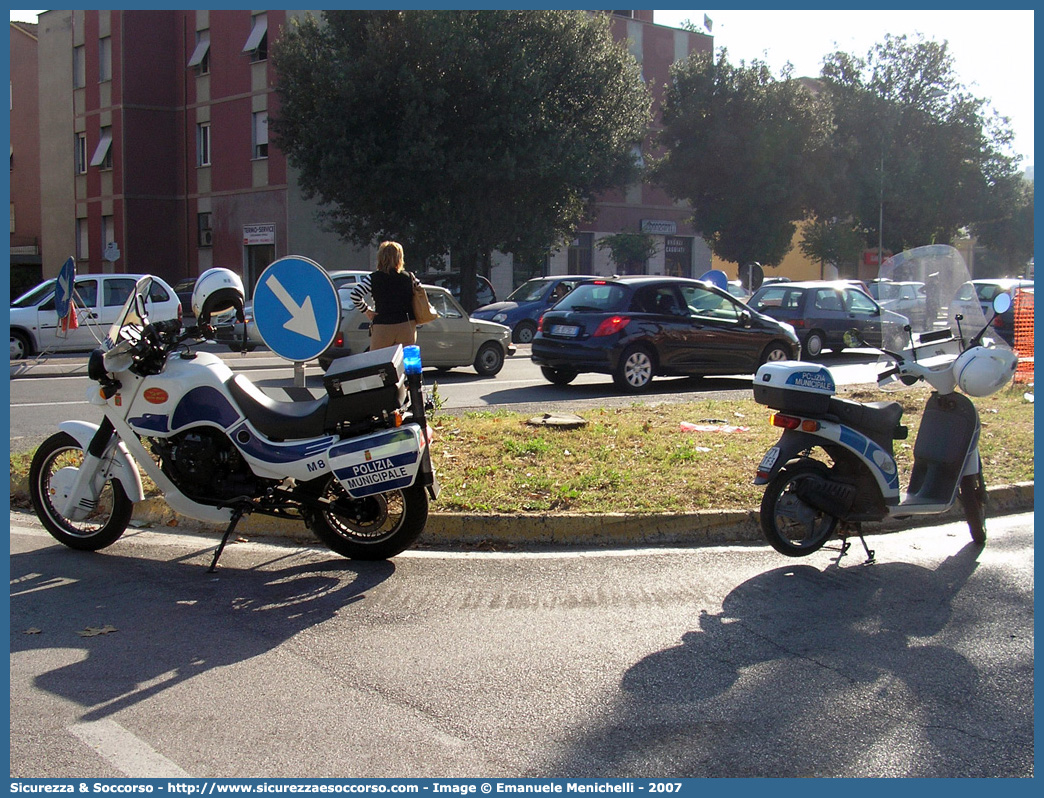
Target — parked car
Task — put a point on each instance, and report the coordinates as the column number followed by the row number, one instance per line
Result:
column 907, row 298
column 451, row 340
column 183, row 288
column 484, row 293
column 822, row 311
column 346, row 277
column 735, row 287
column 638, row 327
column 526, row 304
column 976, row 296
column 98, row 297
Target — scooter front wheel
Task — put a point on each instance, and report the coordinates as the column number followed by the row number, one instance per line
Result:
column 790, row 525
column 374, row 528
column 52, row 474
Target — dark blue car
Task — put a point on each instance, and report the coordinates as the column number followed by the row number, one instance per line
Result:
column 635, row 328
column 522, row 310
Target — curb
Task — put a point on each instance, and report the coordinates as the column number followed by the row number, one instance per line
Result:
column 707, row 528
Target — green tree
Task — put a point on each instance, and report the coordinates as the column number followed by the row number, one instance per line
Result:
column 832, row 242
column 911, row 145
column 1009, row 232
column 458, row 132
column 629, row 251
column 745, row 150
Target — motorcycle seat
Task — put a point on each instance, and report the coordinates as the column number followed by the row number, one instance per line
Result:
column 876, row 419
column 278, row 420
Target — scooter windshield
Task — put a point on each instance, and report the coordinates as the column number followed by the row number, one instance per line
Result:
column 133, row 315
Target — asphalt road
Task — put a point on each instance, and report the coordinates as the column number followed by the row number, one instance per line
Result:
column 729, row 661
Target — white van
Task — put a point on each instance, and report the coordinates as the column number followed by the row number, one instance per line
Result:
column 34, row 321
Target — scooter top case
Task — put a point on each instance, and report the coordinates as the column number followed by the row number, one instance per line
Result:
column 794, row 386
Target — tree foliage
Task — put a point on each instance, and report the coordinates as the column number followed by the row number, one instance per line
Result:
column 913, row 143
column 629, row 251
column 745, row 150
column 458, row 132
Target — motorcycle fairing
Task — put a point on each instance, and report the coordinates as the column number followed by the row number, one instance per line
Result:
column 881, row 464
column 378, row 463
column 205, row 403
column 259, row 448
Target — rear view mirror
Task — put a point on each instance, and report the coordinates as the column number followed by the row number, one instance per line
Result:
column 1001, row 303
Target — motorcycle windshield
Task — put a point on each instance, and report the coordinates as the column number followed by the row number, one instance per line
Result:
column 949, row 299
column 133, row 315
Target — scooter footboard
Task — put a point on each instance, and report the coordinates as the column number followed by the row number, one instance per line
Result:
column 380, row 462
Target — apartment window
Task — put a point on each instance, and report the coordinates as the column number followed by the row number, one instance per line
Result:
column 206, row 232
column 260, row 138
column 81, row 153
column 81, row 239
column 108, row 231
column 257, row 41
column 201, row 55
column 79, row 68
column 103, row 154
column 104, row 59
column 203, row 144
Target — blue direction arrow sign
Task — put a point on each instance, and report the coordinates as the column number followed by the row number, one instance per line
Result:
column 296, row 308
column 63, row 288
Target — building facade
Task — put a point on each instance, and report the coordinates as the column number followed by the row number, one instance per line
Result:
column 156, row 129
column 25, row 159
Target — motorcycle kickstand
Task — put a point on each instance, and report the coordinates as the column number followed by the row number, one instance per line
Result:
column 238, row 512
column 846, row 544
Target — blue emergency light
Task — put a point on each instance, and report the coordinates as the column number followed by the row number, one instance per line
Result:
column 411, row 359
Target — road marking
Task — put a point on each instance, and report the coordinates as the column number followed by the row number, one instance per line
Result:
column 130, row 755
column 46, row 404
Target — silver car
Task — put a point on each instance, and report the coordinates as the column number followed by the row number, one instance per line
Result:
column 453, row 339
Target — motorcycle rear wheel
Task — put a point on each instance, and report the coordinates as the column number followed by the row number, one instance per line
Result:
column 791, row 526
column 973, row 499
column 375, row 528
column 103, row 526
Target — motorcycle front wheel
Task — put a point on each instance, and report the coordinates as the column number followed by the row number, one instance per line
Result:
column 791, row 526
column 373, row 528
column 52, row 474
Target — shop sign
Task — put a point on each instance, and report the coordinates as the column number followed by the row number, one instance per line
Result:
column 258, row 234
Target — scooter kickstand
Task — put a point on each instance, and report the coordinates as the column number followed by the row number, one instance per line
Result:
column 239, row 511
column 846, row 544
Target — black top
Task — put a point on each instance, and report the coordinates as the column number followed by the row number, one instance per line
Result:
column 392, row 297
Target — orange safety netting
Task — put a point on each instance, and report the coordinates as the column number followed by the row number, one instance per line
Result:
column 1024, row 335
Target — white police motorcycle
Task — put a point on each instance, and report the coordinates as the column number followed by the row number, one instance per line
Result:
column 354, row 465
column 808, row 498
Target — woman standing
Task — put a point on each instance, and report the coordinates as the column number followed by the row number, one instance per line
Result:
column 391, row 289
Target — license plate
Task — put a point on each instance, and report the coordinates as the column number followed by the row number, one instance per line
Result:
column 770, row 458
column 565, row 330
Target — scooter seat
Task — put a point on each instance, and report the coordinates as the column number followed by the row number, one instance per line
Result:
column 277, row 420
column 878, row 418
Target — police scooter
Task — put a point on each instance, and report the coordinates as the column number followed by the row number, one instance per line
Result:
column 809, row 498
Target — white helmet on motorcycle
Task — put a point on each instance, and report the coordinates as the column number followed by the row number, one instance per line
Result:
column 981, row 371
column 217, row 291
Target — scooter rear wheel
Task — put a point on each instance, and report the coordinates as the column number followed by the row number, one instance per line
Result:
column 52, row 472
column 791, row 526
column 973, row 500
column 374, row 528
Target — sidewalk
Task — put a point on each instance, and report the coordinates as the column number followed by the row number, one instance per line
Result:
column 708, row 528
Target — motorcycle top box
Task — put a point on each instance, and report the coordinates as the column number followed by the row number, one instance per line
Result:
column 794, row 387
column 366, row 385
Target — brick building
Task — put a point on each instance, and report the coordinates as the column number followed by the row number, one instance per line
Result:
column 155, row 128
column 25, row 159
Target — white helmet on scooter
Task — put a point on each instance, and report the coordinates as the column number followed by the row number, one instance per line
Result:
column 981, row 371
column 217, row 292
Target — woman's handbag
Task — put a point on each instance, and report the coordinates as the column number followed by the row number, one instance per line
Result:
column 423, row 312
